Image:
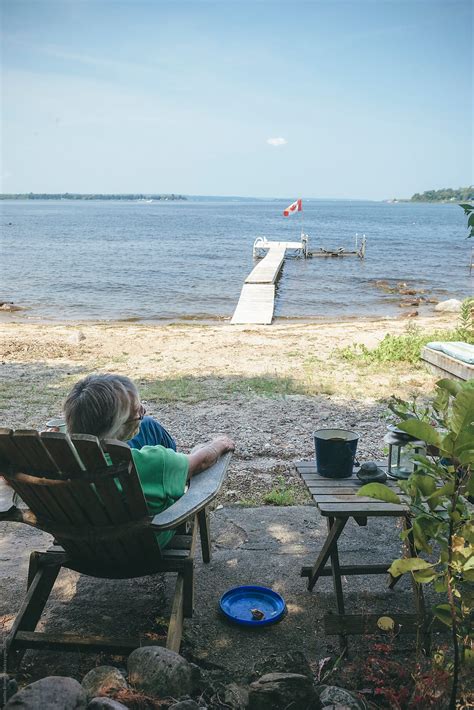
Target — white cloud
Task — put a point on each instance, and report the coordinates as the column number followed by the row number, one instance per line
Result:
column 277, row 141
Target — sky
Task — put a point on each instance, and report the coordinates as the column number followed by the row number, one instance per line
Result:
column 366, row 99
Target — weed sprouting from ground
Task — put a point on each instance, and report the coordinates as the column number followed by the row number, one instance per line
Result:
column 281, row 495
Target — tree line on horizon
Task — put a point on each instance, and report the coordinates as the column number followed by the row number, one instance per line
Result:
column 79, row 196
column 446, row 194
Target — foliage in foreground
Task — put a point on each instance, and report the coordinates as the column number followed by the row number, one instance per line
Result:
column 407, row 347
column 438, row 494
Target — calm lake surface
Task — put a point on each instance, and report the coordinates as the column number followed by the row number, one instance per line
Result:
column 65, row 260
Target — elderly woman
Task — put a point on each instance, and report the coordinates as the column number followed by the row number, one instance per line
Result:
column 108, row 406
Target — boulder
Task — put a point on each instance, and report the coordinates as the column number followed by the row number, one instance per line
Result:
column 330, row 695
column 103, row 703
column 452, row 305
column 236, row 696
column 282, row 691
column 53, row 693
column 290, row 662
column 159, row 672
column 103, row 680
column 8, row 687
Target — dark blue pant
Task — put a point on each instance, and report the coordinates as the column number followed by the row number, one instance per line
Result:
column 152, row 433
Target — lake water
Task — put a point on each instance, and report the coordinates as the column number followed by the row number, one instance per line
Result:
column 169, row 260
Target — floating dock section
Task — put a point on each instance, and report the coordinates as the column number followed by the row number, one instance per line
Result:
column 257, row 299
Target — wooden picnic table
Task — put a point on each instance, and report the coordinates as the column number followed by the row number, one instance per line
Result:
column 337, row 500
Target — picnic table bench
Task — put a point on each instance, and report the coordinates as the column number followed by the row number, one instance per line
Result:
column 337, row 500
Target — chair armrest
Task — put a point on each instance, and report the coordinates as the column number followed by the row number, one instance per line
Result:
column 203, row 487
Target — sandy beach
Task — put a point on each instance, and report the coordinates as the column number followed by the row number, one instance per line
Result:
column 267, row 387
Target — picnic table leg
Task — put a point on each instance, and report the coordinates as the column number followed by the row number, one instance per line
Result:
column 330, row 544
column 418, row 592
column 336, row 577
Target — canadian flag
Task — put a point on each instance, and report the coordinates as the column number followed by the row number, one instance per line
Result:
column 294, row 207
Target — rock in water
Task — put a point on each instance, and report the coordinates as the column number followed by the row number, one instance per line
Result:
column 452, row 305
column 160, row 672
column 53, row 693
column 103, row 680
column 278, row 691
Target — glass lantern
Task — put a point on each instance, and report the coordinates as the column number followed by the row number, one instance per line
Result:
column 401, row 450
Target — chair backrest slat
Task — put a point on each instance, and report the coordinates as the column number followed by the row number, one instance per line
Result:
column 119, row 453
column 60, row 448
column 30, row 444
column 10, row 452
column 89, row 449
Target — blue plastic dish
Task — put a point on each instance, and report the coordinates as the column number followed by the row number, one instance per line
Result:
column 236, row 604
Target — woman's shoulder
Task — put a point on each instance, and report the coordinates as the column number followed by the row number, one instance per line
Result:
column 156, row 455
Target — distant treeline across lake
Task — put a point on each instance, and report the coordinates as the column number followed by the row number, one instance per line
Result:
column 177, row 259
column 81, row 196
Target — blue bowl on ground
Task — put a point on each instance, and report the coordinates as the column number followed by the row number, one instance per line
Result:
column 238, row 603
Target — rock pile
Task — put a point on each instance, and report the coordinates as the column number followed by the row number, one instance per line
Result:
column 160, row 678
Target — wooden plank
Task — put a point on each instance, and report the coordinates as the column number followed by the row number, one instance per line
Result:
column 31, row 445
column 60, row 448
column 375, row 508
column 256, row 304
column 54, row 641
column 10, row 452
column 446, row 363
column 175, row 626
column 347, row 570
column 336, row 497
column 267, row 270
column 367, row 623
column 90, row 451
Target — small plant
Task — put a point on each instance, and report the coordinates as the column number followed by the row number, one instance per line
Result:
column 281, row 495
column 469, row 212
column 438, row 495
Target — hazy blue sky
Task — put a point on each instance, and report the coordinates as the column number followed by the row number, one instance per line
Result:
column 326, row 98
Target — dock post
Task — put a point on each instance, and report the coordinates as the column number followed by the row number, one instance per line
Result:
column 304, row 244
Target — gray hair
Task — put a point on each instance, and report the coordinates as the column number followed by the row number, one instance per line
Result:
column 100, row 405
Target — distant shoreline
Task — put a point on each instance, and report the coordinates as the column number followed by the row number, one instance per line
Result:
column 92, row 196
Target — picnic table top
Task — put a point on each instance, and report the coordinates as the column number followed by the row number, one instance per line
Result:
column 337, row 497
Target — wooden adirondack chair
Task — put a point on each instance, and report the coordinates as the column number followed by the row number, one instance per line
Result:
column 98, row 517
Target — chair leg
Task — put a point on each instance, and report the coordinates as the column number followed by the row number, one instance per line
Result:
column 175, row 627
column 41, row 579
column 188, row 594
column 205, row 534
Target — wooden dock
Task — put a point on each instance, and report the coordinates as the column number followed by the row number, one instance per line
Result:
column 257, row 299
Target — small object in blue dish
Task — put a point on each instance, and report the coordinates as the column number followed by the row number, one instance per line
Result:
column 249, row 605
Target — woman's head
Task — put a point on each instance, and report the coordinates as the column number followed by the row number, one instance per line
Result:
column 107, row 406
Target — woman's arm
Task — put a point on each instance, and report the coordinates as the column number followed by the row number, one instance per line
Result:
column 207, row 455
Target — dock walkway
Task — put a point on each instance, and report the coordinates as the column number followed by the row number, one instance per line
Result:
column 257, row 298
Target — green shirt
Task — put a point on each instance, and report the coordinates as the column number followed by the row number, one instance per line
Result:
column 163, row 474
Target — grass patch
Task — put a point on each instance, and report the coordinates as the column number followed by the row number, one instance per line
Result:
column 407, row 347
column 178, row 389
column 400, row 348
column 266, row 386
column 281, row 495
